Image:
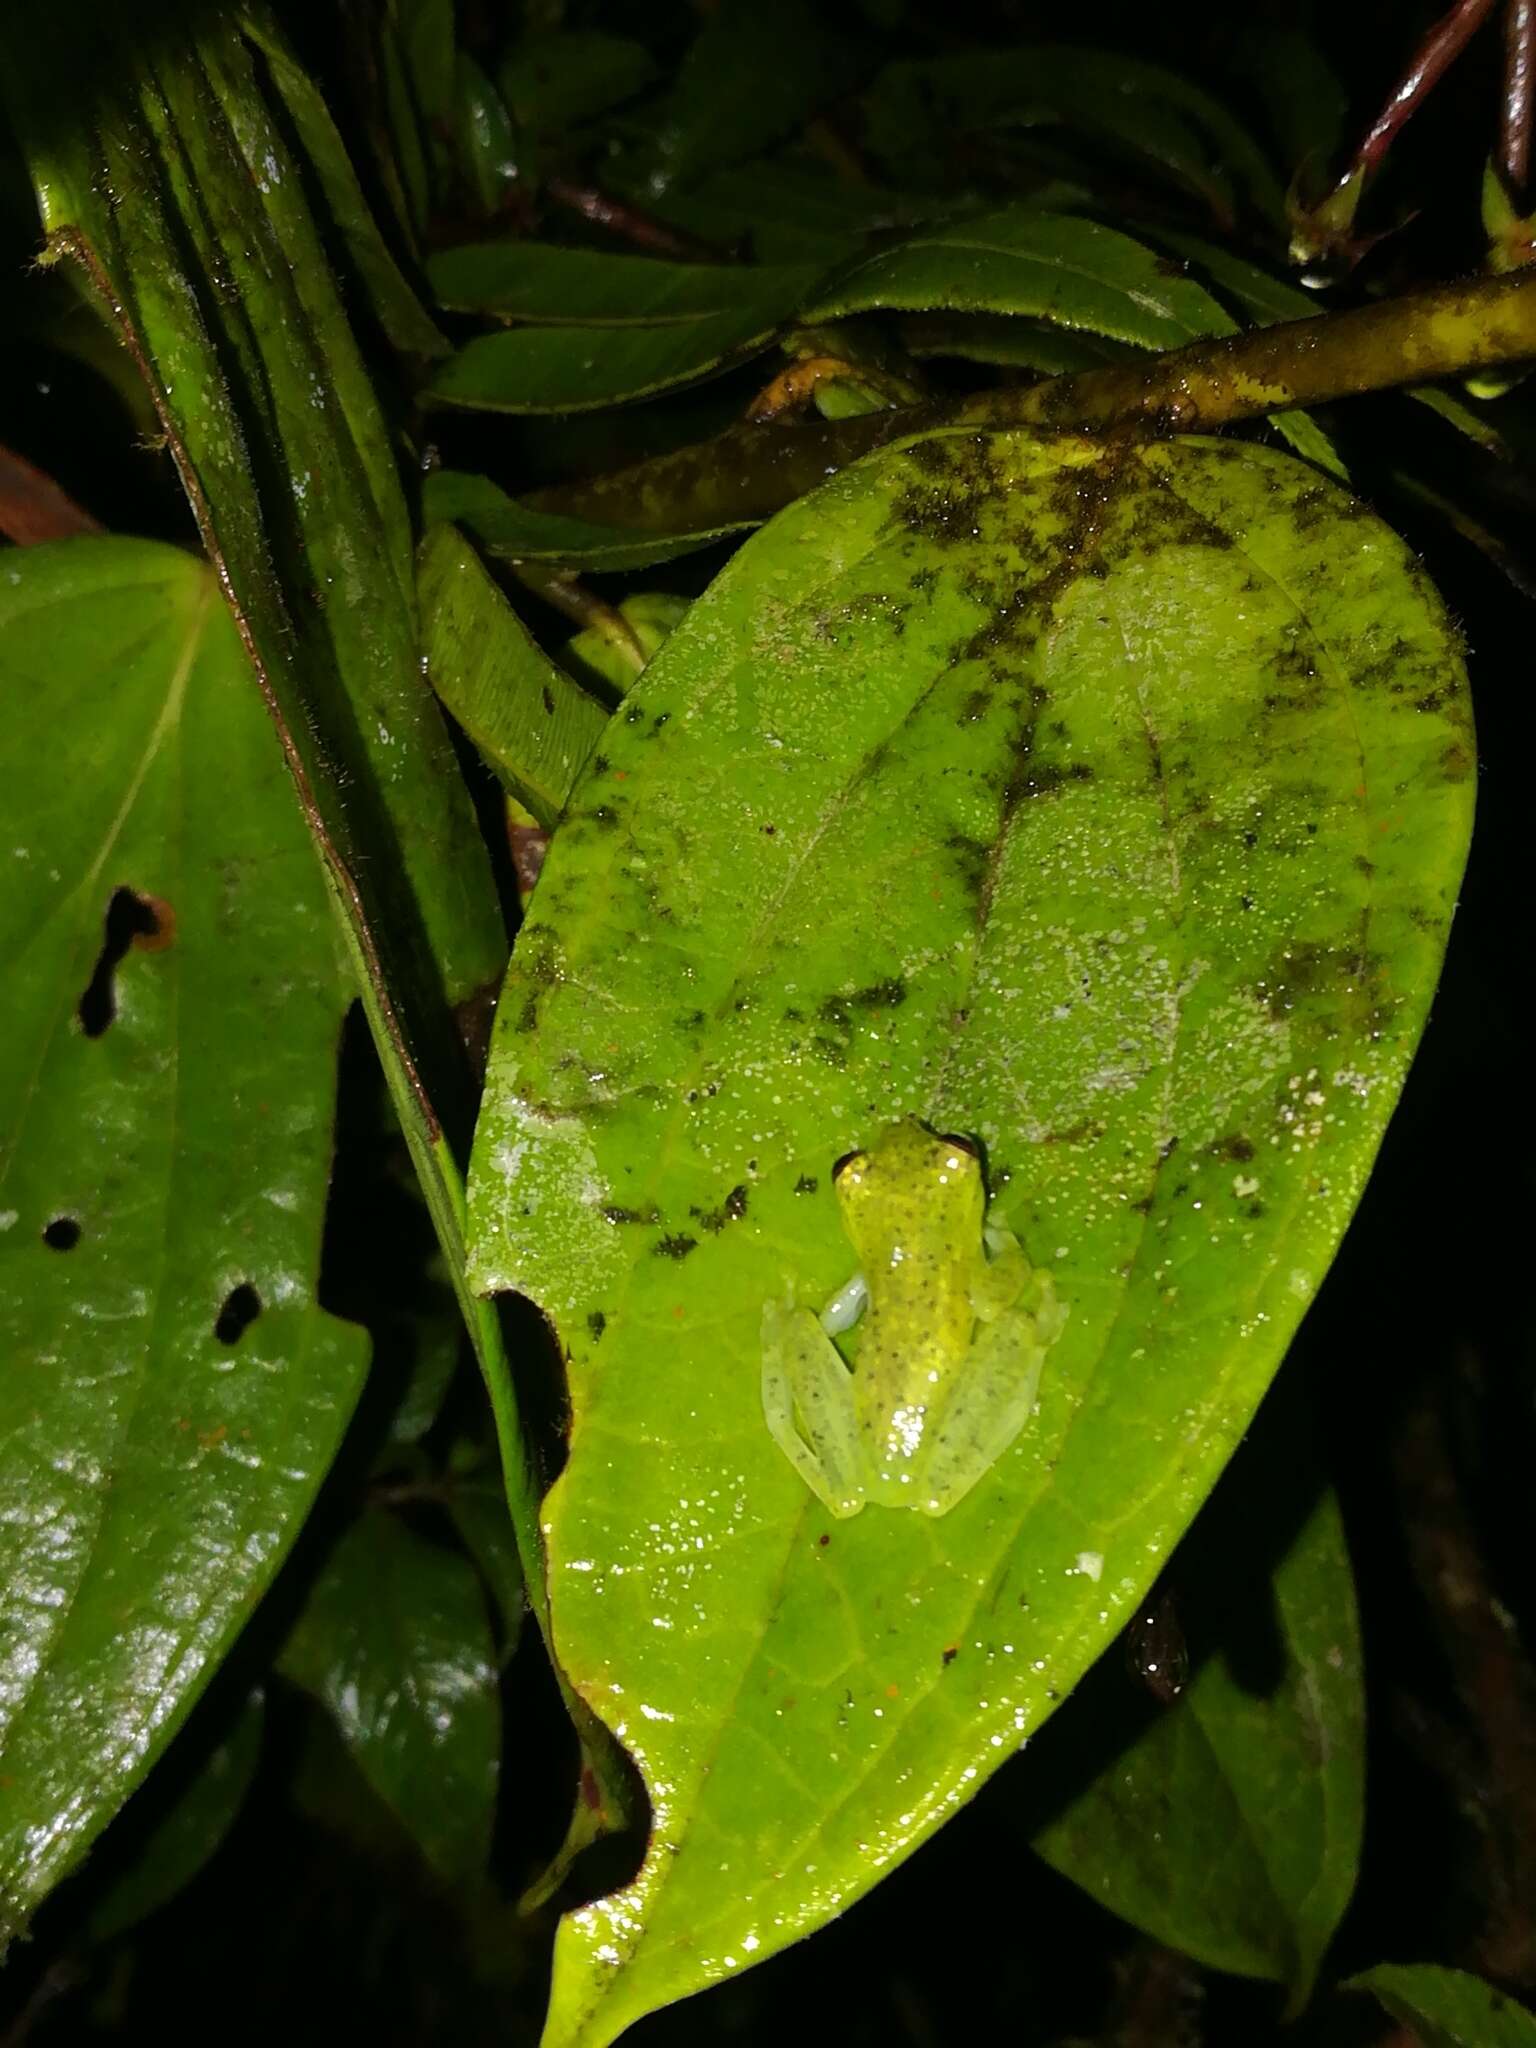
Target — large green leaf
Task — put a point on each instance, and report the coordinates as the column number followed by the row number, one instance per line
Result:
column 172, row 1396
column 1228, row 1824
column 1051, row 266
column 1107, row 802
column 1448, row 2008
column 395, row 1641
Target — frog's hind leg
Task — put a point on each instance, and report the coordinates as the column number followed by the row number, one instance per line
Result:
column 992, row 1401
column 808, row 1406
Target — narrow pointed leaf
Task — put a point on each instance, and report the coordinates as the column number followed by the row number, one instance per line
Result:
column 633, row 332
column 1105, row 802
column 399, row 311
column 533, row 723
column 519, row 532
column 172, row 1395
column 1448, row 2008
column 1050, row 266
column 544, row 283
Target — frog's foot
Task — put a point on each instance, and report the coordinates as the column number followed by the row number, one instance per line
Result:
column 808, row 1406
column 992, row 1401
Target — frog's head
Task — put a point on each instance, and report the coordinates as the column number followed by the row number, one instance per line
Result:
column 913, row 1187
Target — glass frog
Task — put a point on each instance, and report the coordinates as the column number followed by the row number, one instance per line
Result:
column 954, row 1324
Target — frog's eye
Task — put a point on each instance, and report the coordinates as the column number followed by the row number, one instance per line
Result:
column 849, row 1159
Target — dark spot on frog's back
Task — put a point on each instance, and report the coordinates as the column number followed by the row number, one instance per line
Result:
column 597, row 1322
column 882, row 995
column 807, row 1184
column 1234, row 1146
column 616, row 1213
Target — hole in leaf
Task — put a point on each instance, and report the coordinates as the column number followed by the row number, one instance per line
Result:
column 132, row 920
column 242, row 1305
column 62, row 1234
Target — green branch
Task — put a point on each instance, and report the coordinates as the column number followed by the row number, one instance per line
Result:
column 747, row 473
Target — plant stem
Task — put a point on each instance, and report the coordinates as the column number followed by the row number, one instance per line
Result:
column 748, row 472
column 1412, row 340
column 1434, row 57
column 1515, row 104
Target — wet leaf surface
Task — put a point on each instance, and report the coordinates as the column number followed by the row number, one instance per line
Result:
column 1105, row 803
column 172, row 1396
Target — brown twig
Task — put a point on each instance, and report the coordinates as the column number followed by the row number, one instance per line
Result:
column 1435, row 55
column 1514, row 156
column 629, row 223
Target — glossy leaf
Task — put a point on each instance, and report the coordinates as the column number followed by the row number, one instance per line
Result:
column 1228, row 1825
column 1047, row 265
column 521, row 532
column 488, row 147
column 550, row 285
column 400, row 313
column 165, row 170
column 1107, row 802
column 1165, row 123
column 787, row 210
column 1448, row 2008
column 610, row 328
column 752, row 75
column 1009, row 341
column 478, row 1505
column 557, row 79
column 172, row 1395
column 535, row 726
column 395, row 1641
column 609, row 658
column 184, row 1838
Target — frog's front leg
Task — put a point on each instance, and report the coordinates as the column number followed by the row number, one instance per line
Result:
column 995, row 1395
column 808, row 1405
